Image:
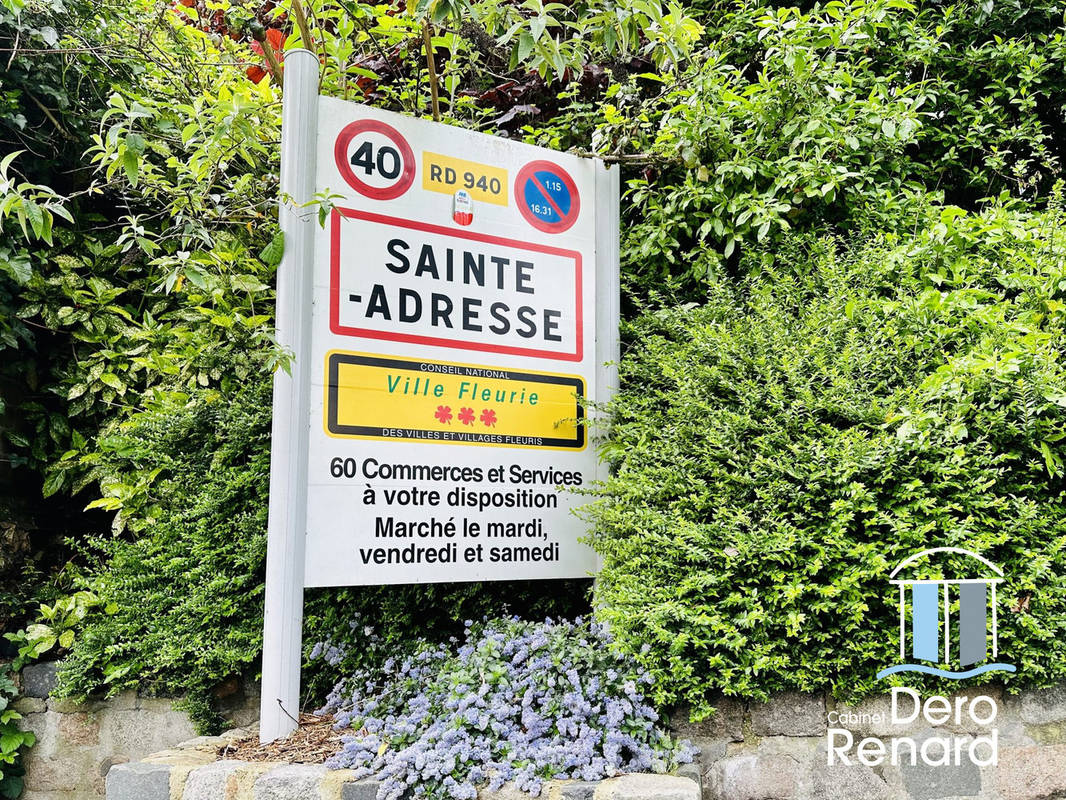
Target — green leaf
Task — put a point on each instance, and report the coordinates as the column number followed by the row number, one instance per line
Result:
column 525, row 45
column 135, row 143
column 131, row 163
column 6, row 162
column 10, row 742
column 52, row 484
column 271, row 254
column 18, row 267
column 112, row 380
column 11, row 787
column 35, row 215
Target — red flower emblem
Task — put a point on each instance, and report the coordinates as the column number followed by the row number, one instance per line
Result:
column 488, row 416
column 444, row 414
column 276, row 40
column 466, row 416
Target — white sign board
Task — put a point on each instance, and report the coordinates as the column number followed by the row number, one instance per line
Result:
column 449, row 325
column 461, row 317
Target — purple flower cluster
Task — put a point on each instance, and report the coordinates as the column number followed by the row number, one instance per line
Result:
column 514, row 701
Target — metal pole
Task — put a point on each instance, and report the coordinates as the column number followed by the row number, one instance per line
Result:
column 607, row 301
column 286, row 528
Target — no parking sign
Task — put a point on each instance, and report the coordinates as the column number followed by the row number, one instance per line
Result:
column 547, row 196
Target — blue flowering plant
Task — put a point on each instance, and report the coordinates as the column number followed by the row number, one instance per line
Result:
column 512, row 701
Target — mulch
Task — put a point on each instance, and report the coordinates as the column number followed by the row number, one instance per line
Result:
column 312, row 742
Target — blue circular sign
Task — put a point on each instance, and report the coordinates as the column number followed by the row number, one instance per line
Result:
column 547, row 196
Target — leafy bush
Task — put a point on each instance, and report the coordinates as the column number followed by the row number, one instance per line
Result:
column 13, row 741
column 513, row 701
column 777, row 450
column 820, row 116
column 185, row 589
column 55, row 627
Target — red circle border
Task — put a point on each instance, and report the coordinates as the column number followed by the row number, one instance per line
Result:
column 340, row 155
column 519, row 196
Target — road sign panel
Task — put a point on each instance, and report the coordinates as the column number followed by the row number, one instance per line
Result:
column 487, row 332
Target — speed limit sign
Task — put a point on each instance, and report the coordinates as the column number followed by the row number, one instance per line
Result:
column 374, row 159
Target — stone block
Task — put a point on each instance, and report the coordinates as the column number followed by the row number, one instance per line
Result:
column 924, row 782
column 38, row 680
column 693, row 772
column 138, row 781
column 1052, row 733
column 726, row 723
column 64, row 705
column 1039, row 706
column 506, row 792
column 789, row 714
column 872, row 717
column 55, row 775
column 289, row 782
column 30, row 705
column 236, row 734
column 846, row 782
column 1031, row 773
column 107, row 763
column 136, row 733
column 211, row 743
column 360, row 790
column 152, row 704
column 571, row 790
column 772, row 776
column 242, row 784
column 709, row 753
column 44, row 727
column 331, row 787
column 646, row 786
column 209, row 782
column 79, row 730
column 181, row 758
column 967, row 724
column 33, row 794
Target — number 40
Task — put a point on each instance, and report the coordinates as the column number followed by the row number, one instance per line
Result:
column 364, row 157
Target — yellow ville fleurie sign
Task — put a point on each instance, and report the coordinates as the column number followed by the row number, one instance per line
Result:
column 380, row 397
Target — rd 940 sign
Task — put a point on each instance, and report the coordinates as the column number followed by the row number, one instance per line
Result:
column 374, row 159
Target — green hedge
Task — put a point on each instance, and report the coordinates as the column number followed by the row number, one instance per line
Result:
column 780, row 448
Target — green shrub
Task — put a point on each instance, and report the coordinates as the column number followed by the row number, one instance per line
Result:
column 184, row 581
column 815, row 117
column 780, row 448
column 13, row 741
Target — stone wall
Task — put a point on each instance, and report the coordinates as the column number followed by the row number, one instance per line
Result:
column 190, row 772
column 778, row 751
column 748, row 751
column 78, row 744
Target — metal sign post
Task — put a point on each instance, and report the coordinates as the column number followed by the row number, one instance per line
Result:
column 287, row 525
